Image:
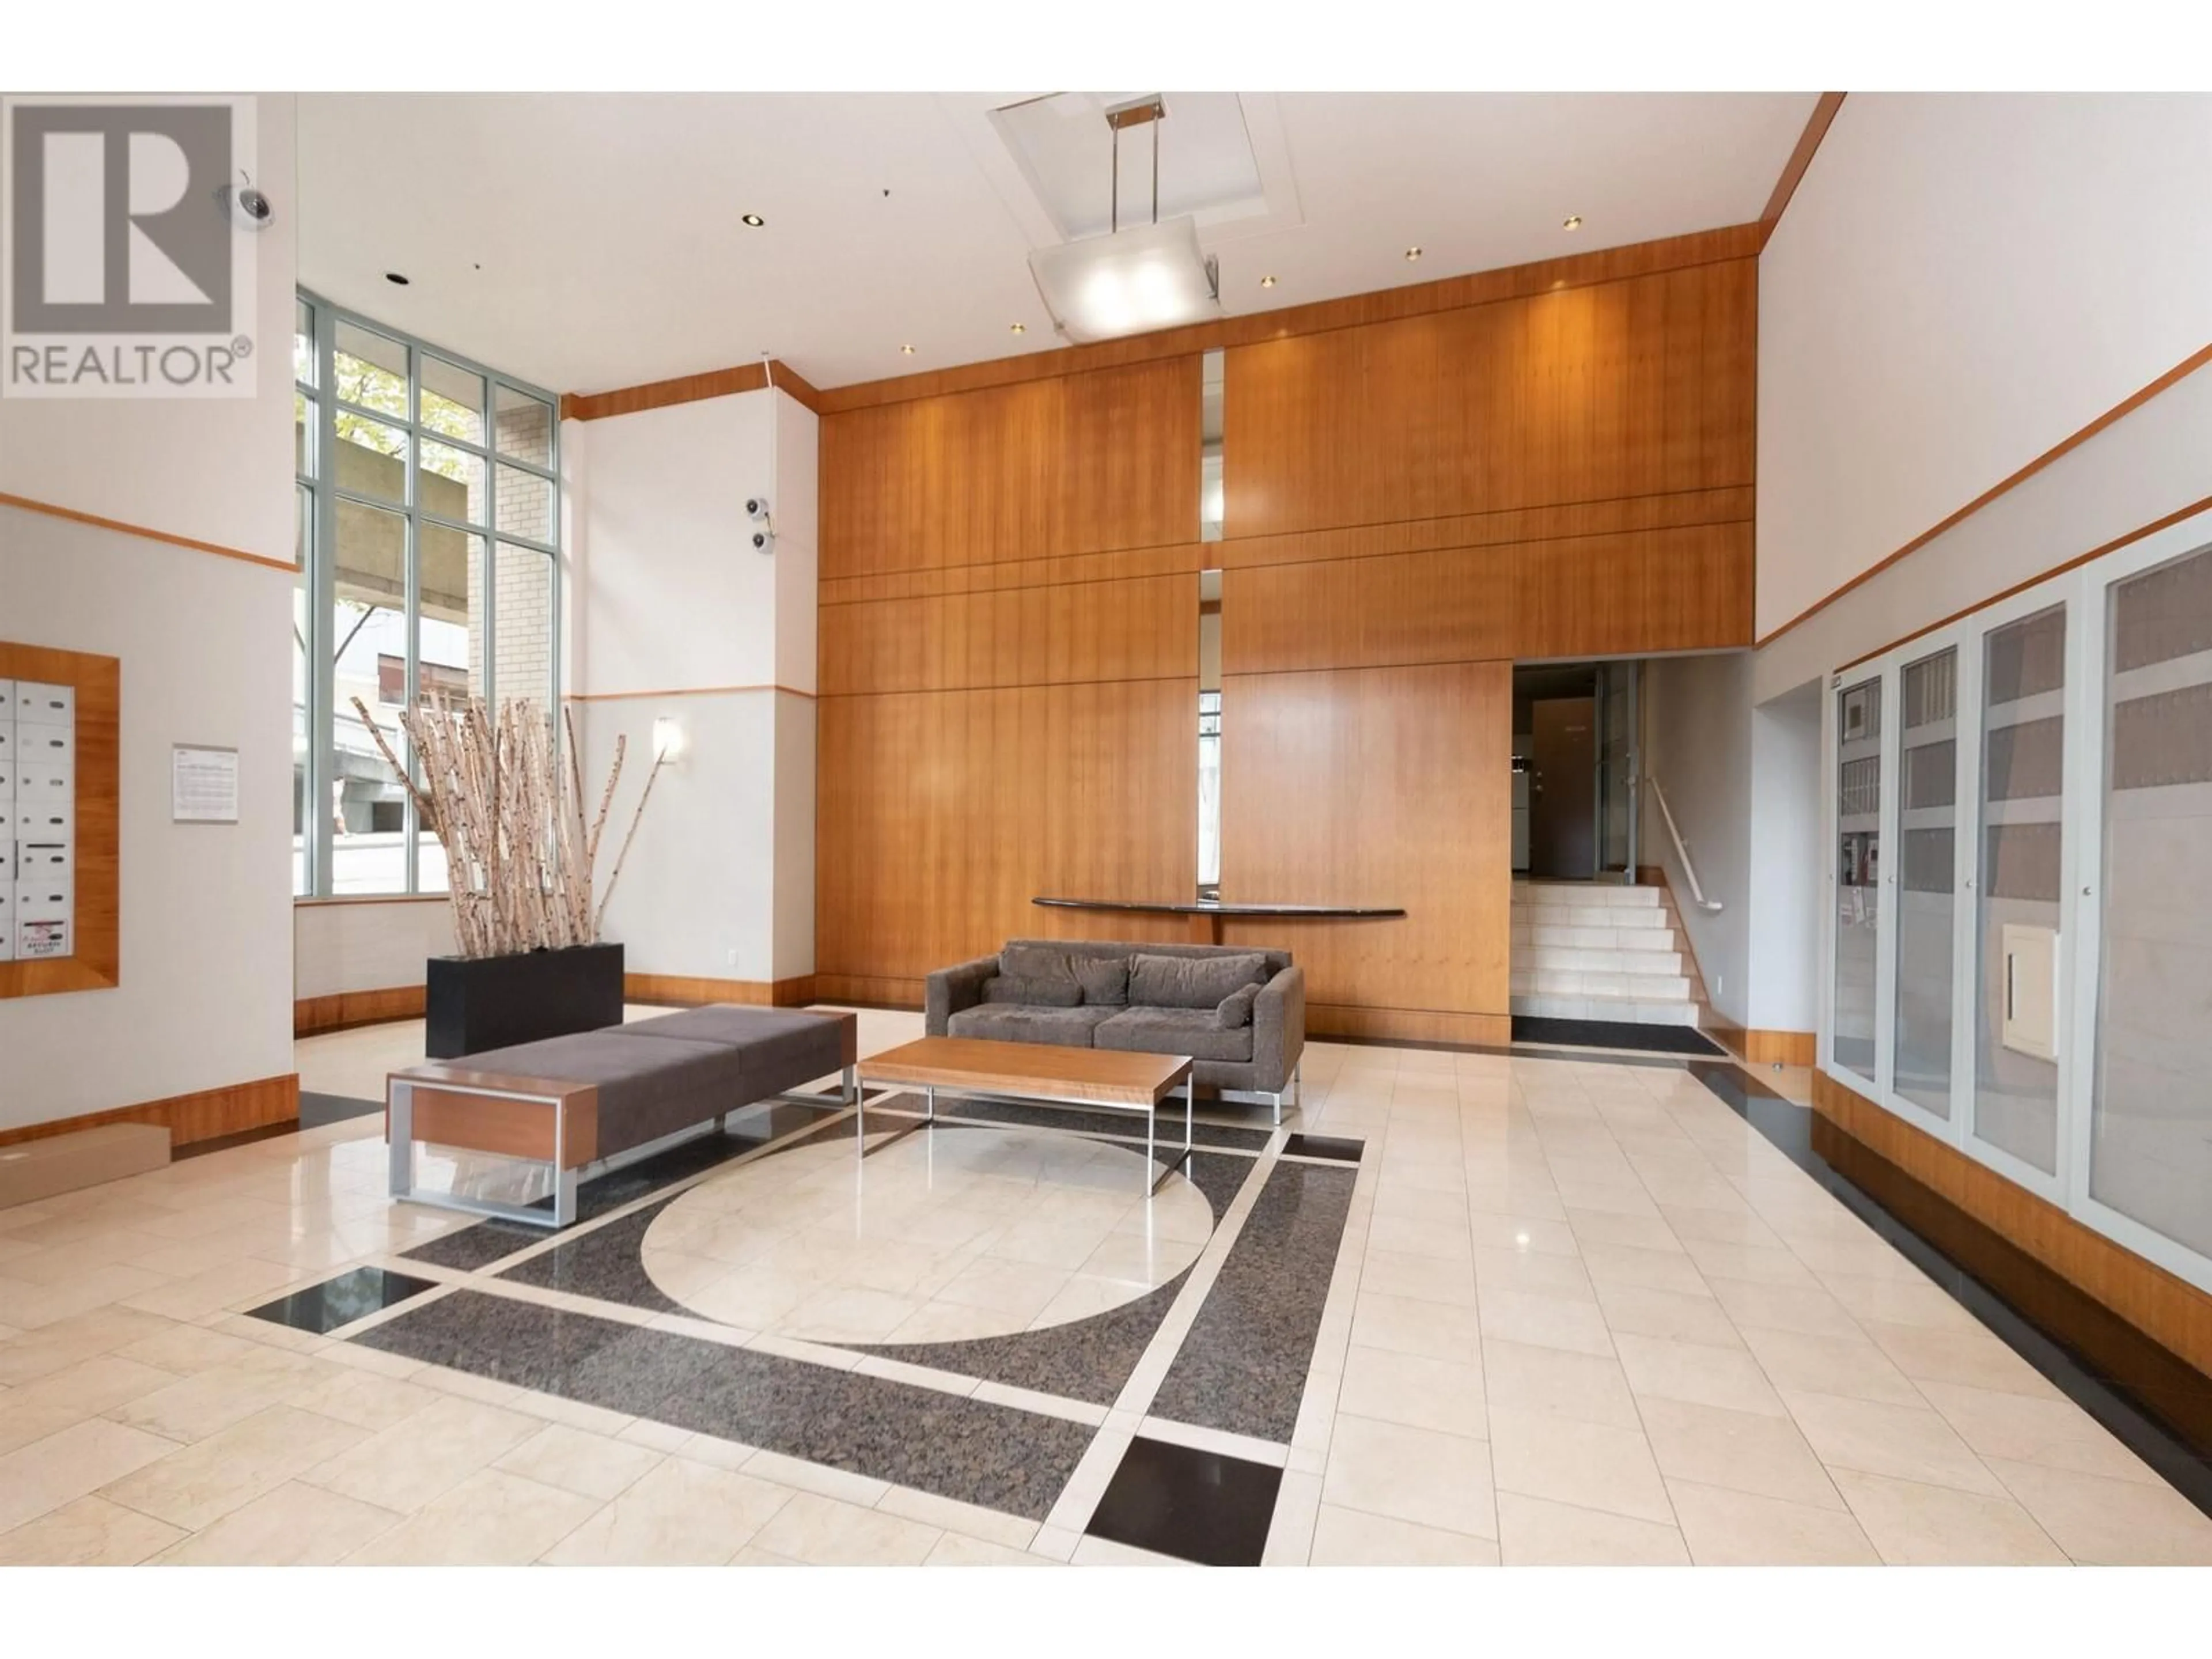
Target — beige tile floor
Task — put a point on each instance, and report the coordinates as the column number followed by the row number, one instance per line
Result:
column 1582, row 1314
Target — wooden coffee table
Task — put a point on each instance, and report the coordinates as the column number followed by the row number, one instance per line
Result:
column 1039, row 1074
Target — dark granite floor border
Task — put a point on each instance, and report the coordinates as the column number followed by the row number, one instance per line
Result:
column 1242, row 1367
column 971, row 1450
column 2154, row 1402
column 1615, row 1034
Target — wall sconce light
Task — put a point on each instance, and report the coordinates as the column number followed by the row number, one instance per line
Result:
column 668, row 741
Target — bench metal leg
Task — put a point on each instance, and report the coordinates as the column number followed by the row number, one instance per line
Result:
column 399, row 1129
column 852, row 1085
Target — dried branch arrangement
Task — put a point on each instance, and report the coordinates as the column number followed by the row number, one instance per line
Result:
column 519, row 856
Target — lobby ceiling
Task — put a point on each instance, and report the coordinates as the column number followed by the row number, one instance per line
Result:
column 588, row 241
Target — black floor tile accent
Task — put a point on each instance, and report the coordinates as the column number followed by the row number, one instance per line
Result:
column 1340, row 1147
column 2155, row 1403
column 977, row 1453
column 1086, row 1359
column 1615, row 1034
column 467, row 1250
column 1242, row 1367
column 1076, row 1121
column 1199, row 1506
column 321, row 1309
column 318, row 1110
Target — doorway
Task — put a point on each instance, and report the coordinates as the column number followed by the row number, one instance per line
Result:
column 1563, row 788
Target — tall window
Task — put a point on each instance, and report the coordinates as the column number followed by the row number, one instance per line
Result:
column 429, row 529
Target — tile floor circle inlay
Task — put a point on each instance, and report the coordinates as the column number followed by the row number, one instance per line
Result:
column 942, row 1235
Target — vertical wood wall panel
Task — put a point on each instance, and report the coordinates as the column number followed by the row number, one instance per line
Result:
column 1382, row 787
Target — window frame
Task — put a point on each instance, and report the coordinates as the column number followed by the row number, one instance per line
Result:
column 316, row 473
column 2087, row 593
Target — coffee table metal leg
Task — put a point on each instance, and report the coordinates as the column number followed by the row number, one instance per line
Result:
column 930, row 1094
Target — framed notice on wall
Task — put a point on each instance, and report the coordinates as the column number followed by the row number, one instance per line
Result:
column 203, row 785
column 60, row 717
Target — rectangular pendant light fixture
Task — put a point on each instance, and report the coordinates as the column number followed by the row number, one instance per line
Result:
column 1145, row 277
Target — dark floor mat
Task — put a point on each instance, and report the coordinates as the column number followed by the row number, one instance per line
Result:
column 1615, row 1034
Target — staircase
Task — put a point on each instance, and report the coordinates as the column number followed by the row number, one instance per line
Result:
column 1599, row 951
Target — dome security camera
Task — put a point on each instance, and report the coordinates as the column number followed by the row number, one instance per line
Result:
column 763, row 542
column 756, row 507
column 247, row 208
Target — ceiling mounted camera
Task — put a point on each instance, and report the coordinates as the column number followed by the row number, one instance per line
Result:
column 247, row 208
column 763, row 542
column 756, row 507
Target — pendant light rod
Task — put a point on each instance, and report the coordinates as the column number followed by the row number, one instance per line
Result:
column 1151, row 111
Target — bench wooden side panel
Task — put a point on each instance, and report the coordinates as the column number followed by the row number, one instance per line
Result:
column 478, row 1111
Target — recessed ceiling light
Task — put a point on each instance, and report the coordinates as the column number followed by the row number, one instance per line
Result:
column 1413, row 252
column 906, row 351
column 1267, row 282
column 1019, row 328
column 395, row 279
column 1573, row 222
column 753, row 220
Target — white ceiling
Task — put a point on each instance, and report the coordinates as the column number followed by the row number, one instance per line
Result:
column 588, row 241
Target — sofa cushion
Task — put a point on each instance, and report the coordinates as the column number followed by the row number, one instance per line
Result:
column 1173, row 1031
column 1105, row 980
column 1035, row 992
column 1236, row 1008
column 1025, row 961
column 1192, row 982
column 1001, row 1021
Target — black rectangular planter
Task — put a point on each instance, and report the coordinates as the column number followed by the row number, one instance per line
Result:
column 492, row 1002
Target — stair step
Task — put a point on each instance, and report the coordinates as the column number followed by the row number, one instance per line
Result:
column 1582, row 959
column 1574, row 982
column 1597, row 938
column 1629, row 1011
column 1590, row 916
column 1605, row 896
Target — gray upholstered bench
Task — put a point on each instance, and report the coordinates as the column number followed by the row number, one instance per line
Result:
column 595, row 1098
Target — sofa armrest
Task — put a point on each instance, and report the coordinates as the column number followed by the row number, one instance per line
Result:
column 951, row 989
column 1279, row 1030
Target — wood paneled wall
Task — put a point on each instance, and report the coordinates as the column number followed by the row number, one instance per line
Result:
column 1548, row 463
column 1008, row 669
column 1383, row 786
column 1411, row 505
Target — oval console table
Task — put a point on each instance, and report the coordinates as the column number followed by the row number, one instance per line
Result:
column 1206, row 919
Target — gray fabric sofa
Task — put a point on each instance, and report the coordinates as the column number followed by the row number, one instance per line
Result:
column 1068, row 992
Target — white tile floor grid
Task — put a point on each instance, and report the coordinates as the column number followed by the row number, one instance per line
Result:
column 1583, row 1313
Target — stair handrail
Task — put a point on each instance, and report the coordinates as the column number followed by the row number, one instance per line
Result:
column 1681, row 850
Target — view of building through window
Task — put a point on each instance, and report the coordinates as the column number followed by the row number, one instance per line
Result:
column 429, row 527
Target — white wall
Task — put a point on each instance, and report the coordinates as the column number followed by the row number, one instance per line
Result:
column 1786, row 863
column 673, row 614
column 1697, row 735
column 205, row 995
column 1961, row 283
column 373, row 945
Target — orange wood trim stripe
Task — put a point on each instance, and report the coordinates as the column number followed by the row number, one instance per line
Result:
column 681, row 692
column 2180, row 371
column 1764, row 1048
column 200, row 1116
column 346, row 1009
column 690, row 991
column 2059, row 569
column 2172, row 1311
column 139, row 530
column 687, row 389
column 1793, row 170
column 1417, row 299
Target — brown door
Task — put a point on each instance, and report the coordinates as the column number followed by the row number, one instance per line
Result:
column 1563, row 789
